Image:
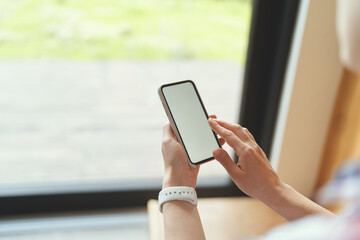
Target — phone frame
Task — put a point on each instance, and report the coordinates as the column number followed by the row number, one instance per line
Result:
column 173, row 123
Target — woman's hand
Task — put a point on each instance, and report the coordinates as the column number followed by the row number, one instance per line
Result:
column 253, row 173
column 177, row 169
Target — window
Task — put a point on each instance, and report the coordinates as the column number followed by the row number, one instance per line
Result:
column 94, row 115
column 80, row 117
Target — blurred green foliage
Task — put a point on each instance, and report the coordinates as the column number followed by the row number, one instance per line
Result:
column 125, row 29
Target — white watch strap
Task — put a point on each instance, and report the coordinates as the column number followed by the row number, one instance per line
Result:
column 180, row 193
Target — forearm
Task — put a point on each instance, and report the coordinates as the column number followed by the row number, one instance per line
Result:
column 182, row 221
column 291, row 204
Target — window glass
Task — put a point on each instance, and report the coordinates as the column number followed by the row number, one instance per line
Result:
column 79, row 79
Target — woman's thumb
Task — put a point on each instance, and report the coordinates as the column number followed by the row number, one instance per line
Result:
column 223, row 157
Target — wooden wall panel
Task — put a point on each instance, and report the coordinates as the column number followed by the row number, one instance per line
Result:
column 343, row 140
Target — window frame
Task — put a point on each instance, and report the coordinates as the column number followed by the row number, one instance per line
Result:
column 271, row 32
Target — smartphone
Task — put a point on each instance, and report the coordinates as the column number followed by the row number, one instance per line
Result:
column 189, row 120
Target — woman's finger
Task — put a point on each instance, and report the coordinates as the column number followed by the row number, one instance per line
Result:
column 233, row 140
column 249, row 134
column 223, row 157
column 235, row 128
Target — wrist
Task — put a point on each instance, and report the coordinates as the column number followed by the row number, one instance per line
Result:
column 276, row 194
column 178, row 204
column 178, row 193
column 173, row 178
column 283, row 200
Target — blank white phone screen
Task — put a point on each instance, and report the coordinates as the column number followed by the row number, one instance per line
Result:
column 191, row 121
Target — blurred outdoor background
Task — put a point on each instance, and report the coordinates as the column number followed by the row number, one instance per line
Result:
column 78, row 81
